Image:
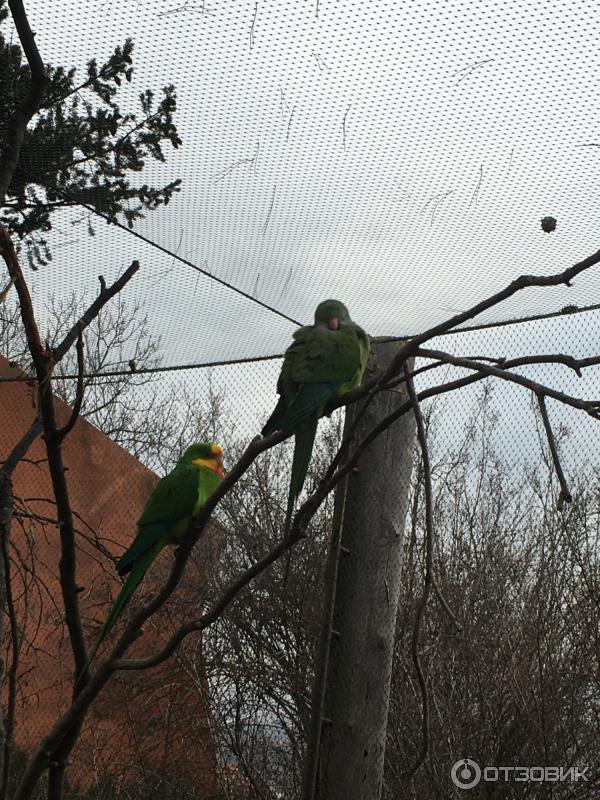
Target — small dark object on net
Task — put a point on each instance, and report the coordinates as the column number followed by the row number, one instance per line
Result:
column 548, row 224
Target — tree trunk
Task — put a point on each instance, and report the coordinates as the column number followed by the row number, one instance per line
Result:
column 353, row 725
column 6, row 502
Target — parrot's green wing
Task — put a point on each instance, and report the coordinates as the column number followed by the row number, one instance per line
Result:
column 319, row 364
column 319, row 355
column 172, row 501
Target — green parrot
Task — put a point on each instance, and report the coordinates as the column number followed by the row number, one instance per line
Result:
column 325, row 360
column 177, row 498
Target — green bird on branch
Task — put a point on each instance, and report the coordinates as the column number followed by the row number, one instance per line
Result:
column 325, row 360
column 176, row 500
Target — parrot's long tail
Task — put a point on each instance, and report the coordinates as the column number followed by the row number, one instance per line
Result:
column 138, row 571
column 303, row 445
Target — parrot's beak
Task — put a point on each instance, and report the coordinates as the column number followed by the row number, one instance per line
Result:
column 215, row 463
column 333, row 324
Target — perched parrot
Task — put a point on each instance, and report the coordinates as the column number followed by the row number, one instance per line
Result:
column 325, row 360
column 177, row 498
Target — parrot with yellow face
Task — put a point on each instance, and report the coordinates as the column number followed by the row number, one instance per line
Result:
column 175, row 501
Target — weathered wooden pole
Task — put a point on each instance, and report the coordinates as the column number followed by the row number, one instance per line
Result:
column 346, row 750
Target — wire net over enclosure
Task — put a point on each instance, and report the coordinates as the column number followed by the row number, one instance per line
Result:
column 398, row 157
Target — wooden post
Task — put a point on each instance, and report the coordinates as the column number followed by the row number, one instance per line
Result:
column 345, row 756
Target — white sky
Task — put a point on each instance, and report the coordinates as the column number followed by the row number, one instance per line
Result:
column 360, row 221
column 351, row 222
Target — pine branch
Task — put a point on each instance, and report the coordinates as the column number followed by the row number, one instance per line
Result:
column 15, row 132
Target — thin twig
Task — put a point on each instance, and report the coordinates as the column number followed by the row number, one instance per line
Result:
column 510, row 161
column 470, row 69
column 62, row 432
column 344, row 126
column 422, row 437
column 6, row 290
column 435, row 202
column 92, row 312
column 564, row 495
column 444, row 604
column 252, row 26
column 475, row 195
column 270, row 211
column 320, row 63
column 289, row 125
column 240, row 163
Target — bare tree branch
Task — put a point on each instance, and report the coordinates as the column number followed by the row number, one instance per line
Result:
column 422, row 437
column 18, row 452
column 444, row 604
column 44, row 360
column 592, row 407
column 62, row 432
column 4, row 292
column 270, row 211
column 411, row 346
column 344, row 126
column 468, row 71
column 475, row 195
column 253, row 24
column 565, row 494
column 214, row 613
column 93, row 311
column 9, row 725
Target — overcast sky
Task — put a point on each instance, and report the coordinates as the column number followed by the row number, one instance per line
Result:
column 405, row 153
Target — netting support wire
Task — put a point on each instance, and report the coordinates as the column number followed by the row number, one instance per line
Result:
column 173, row 368
column 176, row 256
column 567, row 311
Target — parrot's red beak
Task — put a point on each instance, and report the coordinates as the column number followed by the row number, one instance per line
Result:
column 333, row 324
